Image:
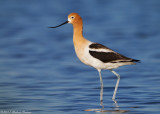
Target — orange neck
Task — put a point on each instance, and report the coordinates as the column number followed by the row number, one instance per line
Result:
column 78, row 33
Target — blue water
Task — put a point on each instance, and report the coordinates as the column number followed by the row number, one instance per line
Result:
column 39, row 70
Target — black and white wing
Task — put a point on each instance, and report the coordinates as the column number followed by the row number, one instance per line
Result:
column 107, row 55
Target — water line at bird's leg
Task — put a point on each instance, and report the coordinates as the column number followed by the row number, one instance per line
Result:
column 101, row 91
column 116, row 104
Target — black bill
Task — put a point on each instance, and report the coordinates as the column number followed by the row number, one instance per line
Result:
column 59, row 25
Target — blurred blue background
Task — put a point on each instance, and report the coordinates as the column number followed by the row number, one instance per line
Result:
column 39, row 70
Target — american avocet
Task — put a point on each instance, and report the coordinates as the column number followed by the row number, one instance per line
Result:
column 94, row 54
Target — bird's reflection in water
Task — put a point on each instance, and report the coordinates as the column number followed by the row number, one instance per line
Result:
column 116, row 109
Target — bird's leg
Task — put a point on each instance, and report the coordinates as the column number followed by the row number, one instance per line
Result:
column 101, row 92
column 116, row 87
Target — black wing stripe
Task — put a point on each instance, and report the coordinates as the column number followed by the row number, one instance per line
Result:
column 108, row 56
column 97, row 46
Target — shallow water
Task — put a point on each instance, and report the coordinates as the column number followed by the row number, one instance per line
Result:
column 39, row 70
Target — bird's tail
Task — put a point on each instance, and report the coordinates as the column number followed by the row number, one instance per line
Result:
column 135, row 60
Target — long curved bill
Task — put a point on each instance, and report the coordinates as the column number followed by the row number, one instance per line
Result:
column 59, row 25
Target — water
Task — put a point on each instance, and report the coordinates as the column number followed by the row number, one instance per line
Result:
column 39, row 70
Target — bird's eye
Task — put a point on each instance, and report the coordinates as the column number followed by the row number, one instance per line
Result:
column 72, row 17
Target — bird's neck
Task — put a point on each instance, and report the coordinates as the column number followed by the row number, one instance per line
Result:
column 78, row 33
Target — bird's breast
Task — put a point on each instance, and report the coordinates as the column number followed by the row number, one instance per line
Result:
column 82, row 51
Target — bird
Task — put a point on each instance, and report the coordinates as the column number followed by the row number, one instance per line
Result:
column 96, row 55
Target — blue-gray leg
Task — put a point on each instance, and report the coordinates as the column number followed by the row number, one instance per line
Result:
column 116, row 87
column 101, row 92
